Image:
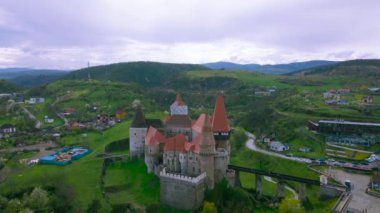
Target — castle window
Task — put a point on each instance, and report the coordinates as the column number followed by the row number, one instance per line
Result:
column 193, row 169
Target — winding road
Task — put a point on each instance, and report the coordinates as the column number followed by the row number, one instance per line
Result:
column 250, row 144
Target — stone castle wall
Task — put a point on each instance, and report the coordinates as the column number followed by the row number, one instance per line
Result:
column 182, row 192
column 137, row 141
column 221, row 164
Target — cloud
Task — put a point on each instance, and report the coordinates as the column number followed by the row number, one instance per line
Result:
column 67, row 34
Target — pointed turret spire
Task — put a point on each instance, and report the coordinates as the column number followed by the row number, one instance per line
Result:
column 178, row 107
column 139, row 119
column 207, row 142
column 219, row 118
column 178, row 100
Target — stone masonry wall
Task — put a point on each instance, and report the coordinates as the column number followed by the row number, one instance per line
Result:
column 182, row 192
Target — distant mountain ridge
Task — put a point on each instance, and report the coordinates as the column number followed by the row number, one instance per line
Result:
column 362, row 67
column 144, row 73
column 270, row 69
column 27, row 77
column 9, row 73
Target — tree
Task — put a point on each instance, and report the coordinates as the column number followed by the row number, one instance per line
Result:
column 209, row 207
column 38, row 199
column 13, row 205
column 289, row 205
column 94, row 206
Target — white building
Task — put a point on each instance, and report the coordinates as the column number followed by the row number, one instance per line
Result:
column 7, row 128
column 278, row 146
column 34, row 100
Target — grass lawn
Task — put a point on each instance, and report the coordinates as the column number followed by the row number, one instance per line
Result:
column 256, row 160
column 82, row 177
column 133, row 184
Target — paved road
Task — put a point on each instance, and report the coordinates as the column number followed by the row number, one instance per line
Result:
column 57, row 99
column 343, row 147
column 252, row 146
column 40, row 146
column 37, row 124
column 361, row 201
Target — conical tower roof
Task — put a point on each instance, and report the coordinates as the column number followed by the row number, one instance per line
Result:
column 139, row 119
column 219, row 118
column 178, row 101
column 207, row 137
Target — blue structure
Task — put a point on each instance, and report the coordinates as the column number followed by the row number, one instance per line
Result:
column 65, row 156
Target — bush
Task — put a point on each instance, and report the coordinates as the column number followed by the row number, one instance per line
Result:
column 229, row 199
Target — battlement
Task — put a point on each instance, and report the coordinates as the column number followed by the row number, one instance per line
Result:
column 220, row 153
column 188, row 179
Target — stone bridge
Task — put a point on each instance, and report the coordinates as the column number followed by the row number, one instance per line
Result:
column 281, row 182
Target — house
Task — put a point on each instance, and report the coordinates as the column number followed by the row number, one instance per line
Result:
column 49, row 120
column 120, row 115
column 343, row 102
column 5, row 95
column 7, row 128
column 304, row 149
column 375, row 181
column 18, row 97
column 343, row 91
column 367, row 100
column 262, row 93
column 328, row 94
column 278, row 146
column 69, row 111
column 267, row 139
column 34, row 100
column 331, row 102
column 374, row 89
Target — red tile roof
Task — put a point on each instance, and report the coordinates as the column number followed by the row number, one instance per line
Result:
column 154, row 137
column 207, row 137
column 219, row 119
column 70, row 110
column 182, row 121
column 178, row 101
column 176, row 143
column 198, row 125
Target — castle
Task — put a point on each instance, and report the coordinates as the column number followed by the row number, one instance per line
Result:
column 187, row 155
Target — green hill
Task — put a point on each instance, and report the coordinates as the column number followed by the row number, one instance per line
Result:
column 6, row 87
column 144, row 73
column 362, row 68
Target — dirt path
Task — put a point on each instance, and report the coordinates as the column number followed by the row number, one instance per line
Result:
column 40, row 146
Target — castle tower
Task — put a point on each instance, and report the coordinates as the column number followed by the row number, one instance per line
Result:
column 207, row 152
column 179, row 121
column 137, row 133
column 179, row 107
column 220, row 126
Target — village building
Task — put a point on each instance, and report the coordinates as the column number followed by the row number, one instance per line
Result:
column 48, row 120
column 374, row 89
column 278, row 146
column 367, row 100
column 34, row 100
column 304, row 149
column 7, row 128
column 329, row 94
column 375, row 181
column 69, row 111
column 347, row 132
column 187, row 155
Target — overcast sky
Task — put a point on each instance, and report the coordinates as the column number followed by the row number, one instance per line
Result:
column 66, row 34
